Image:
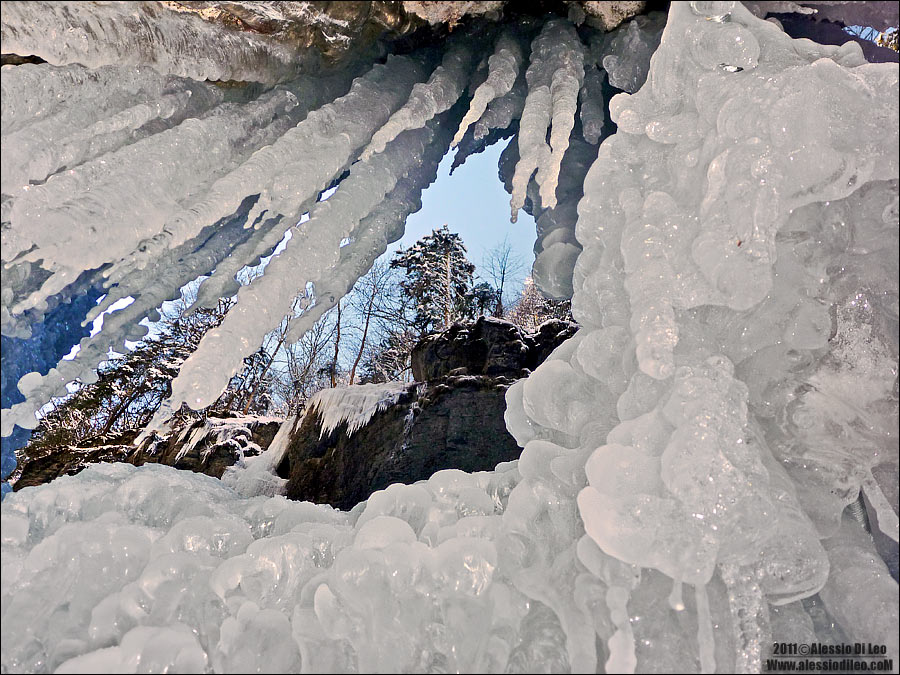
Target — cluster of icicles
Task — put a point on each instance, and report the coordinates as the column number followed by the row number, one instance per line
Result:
column 730, row 392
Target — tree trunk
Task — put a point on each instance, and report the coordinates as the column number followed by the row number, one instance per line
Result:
column 337, row 347
column 362, row 344
column 448, row 300
column 262, row 375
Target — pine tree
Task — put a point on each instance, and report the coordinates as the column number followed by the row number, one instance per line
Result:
column 438, row 279
column 532, row 308
column 128, row 390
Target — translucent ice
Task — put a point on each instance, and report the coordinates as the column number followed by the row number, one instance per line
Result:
column 504, row 67
column 142, row 34
column 554, row 79
column 687, row 456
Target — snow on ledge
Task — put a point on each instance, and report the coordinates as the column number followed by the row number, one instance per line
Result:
column 355, row 405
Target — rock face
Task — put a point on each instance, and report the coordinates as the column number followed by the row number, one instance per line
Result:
column 204, row 446
column 451, row 418
column 488, row 347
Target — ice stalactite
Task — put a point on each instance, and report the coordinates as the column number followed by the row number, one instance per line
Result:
column 502, row 111
column 234, row 131
column 384, row 225
column 625, row 53
column 503, row 69
column 554, row 78
column 178, row 266
column 142, row 34
column 52, row 220
column 268, row 299
column 428, row 99
column 592, row 105
column 281, row 173
column 68, row 140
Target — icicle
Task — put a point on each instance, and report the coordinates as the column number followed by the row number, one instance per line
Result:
column 622, row 658
column 142, row 33
column 33, row 92
column 64, row 216
column 676, row 600
column 384, row 84
column 282, row 173
column 705, row 636
column 151, row 286
column 593, row 105
column 370, row 238
column 533, row 148
column 554, row 80
column 428, row 99
column 502, row 111
column 749, row 617
column 887, row 517
column 43, row 148
column 222, row 282
column 504, row 68
column 353, row 406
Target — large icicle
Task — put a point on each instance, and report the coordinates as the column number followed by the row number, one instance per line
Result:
column 554, row 80
column 33, row 92
column 381, row 90
column 313, row 250
column 60, row 220
column 150, row 287
column 282, row 174
column 503, row 69
column 142, row 34
column 66, row 141
column 443, row 89
column 502, row 111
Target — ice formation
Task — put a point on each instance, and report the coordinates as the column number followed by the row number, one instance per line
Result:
column 625, row 53
column 427, row 99
column 504, row 67
column 689, row 456
column 354, row 406
column 141, row 34
column 554, row 78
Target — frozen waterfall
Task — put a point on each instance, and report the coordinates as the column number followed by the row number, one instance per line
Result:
column 689, row 455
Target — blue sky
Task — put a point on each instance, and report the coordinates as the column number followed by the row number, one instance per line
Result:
column 474, row 204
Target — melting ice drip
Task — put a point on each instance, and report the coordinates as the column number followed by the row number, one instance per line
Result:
column 731, row 390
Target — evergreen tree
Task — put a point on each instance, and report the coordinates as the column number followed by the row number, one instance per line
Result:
column 128, row 390
column 532, row 308
column 438, row 279
column 389, row 360
column 485, row 299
